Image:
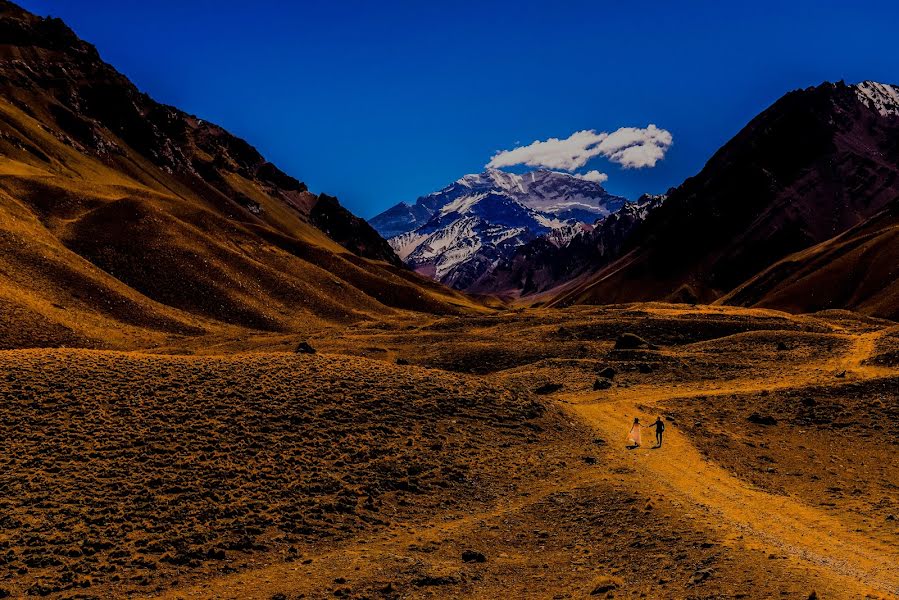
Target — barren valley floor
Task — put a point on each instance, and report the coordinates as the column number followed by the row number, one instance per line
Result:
column 474, row 457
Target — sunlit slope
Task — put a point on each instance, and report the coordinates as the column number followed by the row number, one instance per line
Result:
column 117, row 213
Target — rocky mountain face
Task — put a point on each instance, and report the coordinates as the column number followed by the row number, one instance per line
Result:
column 816, row 163
column 545, row 264
column 115, row 208
column 459, row 234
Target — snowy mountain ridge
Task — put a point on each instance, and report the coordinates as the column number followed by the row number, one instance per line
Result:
column 459, row 233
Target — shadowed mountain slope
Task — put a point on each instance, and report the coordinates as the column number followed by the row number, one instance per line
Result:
column 816, row 163
column 541, row 265
column 858, row 269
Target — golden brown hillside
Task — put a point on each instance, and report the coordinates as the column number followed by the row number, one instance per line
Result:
column 125, row 220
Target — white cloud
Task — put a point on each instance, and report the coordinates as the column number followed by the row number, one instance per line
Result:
column 635, row 148
column 594, row 176
column 631, row 147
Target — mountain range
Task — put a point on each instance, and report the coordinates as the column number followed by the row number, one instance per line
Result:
column 814, row 175
column 125, row 222
column 460, row 233
column 816, row 169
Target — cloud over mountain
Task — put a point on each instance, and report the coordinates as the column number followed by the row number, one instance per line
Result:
column 594, row 176
column 631, row 147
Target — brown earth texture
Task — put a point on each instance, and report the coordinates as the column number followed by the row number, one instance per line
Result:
column 462, row 456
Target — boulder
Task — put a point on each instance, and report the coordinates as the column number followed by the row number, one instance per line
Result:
column 304, row 348
column 548, row 388
column 604, row 585
column 762, row 419
column 473, row 556
column 608, row 373
column 601, row 384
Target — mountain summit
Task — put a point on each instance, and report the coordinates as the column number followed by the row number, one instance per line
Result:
column 459, row 233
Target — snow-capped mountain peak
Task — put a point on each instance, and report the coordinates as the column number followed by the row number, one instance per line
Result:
column 882, row 97
column 463, row 230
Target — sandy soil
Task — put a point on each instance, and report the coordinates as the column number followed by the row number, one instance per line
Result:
column 493, row 465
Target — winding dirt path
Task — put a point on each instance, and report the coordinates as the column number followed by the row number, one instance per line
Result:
column 846, row 563
column 854, row 564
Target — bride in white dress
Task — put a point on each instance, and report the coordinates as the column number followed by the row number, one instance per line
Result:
column 634, row 434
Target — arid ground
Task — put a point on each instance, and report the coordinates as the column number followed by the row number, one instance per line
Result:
column 462, row 457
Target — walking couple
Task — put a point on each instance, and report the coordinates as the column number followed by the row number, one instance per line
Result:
column 634, row 434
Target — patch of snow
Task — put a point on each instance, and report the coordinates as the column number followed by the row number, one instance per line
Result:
column 462, row 204
column 881, row 97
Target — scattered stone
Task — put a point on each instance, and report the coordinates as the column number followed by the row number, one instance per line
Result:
column 629, row 341
column 762, row 419
column 564, row 333
column 813, row 595
column 608, row 373
column 473, row 556
column 891, row 517
column 645, row 368
column 402, row 361
column 701, row 575
column 215, row 554
column 601, row 384
column 304, row 348
column 590, row 460
column 841, row 374
column 548, row 388
column 782, row 347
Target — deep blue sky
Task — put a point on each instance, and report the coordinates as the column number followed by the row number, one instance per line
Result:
column 378, row 102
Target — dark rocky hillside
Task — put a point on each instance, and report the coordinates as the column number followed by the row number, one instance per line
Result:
column 816, row 163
